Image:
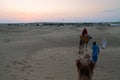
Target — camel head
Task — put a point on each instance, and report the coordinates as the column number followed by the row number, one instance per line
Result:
column 85, row 68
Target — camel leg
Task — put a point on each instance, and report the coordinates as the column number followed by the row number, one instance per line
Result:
column 86, row 46
column 81, row 49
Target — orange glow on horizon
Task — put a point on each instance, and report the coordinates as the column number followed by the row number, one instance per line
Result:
column 31, row 16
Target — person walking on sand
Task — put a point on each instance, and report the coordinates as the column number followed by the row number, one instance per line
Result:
column 95, row 52
column 104, row 42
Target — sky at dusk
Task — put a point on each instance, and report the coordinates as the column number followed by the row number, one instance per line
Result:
column 14, row 11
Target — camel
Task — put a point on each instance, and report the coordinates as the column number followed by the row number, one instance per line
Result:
column 85, row 68
column 84, row 40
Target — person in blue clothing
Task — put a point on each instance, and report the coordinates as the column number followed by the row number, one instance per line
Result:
column 95, row 52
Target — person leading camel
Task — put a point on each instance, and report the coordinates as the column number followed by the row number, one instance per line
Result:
column 95, row 52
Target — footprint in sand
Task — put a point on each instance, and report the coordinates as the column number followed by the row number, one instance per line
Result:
column 7, row 68
column 23, row 66
column 25, row 78
column 14, row 76
column 22, row 62
column 50, row 77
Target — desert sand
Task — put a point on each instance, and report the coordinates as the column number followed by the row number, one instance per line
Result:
column 49, row 53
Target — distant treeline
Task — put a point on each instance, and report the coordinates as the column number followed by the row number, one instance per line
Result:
column 60, row 24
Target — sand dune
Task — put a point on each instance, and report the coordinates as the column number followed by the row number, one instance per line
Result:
column 49, row 53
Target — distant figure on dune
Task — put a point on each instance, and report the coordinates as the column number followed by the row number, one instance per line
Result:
column 95, row 52
column 85, row 68
column 104, row 42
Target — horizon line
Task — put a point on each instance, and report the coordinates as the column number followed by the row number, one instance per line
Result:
column 59, row 22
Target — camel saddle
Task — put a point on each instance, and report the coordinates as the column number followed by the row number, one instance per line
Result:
column 84, row 37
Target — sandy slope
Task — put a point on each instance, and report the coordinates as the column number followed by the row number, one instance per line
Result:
column 49, row 53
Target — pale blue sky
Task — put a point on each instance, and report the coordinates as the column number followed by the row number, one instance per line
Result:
column 59, row 10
